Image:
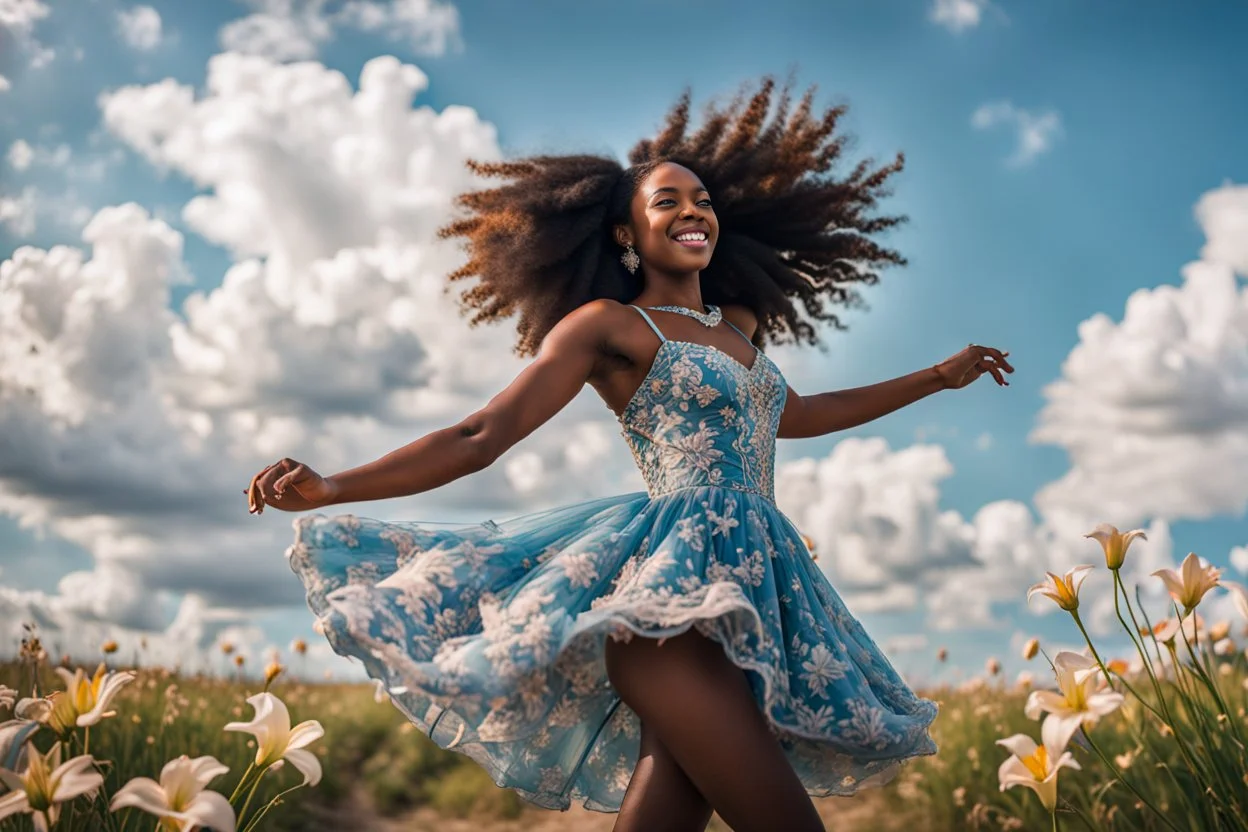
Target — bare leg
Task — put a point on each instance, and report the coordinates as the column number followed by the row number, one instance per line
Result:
column 699, row 705
column 660, row 797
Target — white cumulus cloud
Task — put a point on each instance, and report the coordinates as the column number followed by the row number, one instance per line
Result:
column 957, row 15
column 20, row 16
column 1153, row 409
column 140, row 27
column 20, row 155
column 130, row 430
column 287, row 30
column 1035, row 133
column 18, row 211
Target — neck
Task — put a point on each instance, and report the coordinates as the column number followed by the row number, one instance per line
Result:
column 670, row 290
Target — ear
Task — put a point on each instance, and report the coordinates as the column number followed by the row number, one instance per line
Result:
column 623, row 235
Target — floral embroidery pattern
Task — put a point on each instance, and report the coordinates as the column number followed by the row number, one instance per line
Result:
column 692, row 433
column 490, row 637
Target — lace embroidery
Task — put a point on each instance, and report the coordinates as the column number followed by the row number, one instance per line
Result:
column 702, row 418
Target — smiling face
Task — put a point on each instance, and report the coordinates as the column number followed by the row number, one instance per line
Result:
column 671, row 222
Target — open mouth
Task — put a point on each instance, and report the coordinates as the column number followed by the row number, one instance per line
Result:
column 693, row 239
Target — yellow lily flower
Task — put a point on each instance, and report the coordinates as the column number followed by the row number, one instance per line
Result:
column 46, row 784
column 1167, row 630
column 1114, row 543
column 84, row 700
column 1063, row 590
column 1081, row 698
column 1190, row 582
column 1036, row 766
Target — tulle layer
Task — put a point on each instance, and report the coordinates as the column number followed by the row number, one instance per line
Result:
column 490, row 637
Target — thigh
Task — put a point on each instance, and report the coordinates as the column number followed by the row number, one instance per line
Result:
column 660, row 796
column 701, row 708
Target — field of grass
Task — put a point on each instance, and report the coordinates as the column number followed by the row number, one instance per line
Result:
column 1150, row 741
column 380, row 773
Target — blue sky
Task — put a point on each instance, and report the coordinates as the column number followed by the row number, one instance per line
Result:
column 1138, row 112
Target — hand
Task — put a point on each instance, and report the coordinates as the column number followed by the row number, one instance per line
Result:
column 289, row 486
column 960, row 370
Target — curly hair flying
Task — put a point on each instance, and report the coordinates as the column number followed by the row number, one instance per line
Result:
column 790, row 231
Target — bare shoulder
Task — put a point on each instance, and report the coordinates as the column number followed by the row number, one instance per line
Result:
column 742, row 317
column 591, row 324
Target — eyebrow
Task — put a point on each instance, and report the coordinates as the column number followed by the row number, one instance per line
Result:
column 677, row 190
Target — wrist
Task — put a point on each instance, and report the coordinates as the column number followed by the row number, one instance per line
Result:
column 335, row 493
column 935, row 381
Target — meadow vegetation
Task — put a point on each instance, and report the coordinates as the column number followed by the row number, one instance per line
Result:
column 1152, row 740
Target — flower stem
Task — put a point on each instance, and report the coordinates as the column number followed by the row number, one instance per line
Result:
column 254, row 787
column 1202, row 672
column 238, row 789
column 1125, row 782
column 251, row 824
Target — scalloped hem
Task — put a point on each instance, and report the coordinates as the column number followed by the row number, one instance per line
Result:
column 384, row 660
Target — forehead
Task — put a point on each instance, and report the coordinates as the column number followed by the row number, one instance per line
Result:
column 670, row 175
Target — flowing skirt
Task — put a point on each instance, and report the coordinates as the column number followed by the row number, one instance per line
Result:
column 490, row 636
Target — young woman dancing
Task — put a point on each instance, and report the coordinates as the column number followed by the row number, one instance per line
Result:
column 665, row 653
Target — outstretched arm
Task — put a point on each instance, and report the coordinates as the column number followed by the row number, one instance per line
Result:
column 823, row 413
column 541, row 390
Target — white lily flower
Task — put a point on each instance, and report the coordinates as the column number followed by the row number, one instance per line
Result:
column 1239, row 595
column 1063, row 590
column 179, row 799
column 1190, row 582
column 1081, row 699
column 46, row 783
column 1167, row 629
column 7, row 696
column 276, row 740
column 1036, row 766
column 13, row 736
column 84, row 700
column 1114, row 543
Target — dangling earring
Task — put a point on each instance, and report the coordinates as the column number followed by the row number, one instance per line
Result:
column 630, row 260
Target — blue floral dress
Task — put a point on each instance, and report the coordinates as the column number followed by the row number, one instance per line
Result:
column 490, row 637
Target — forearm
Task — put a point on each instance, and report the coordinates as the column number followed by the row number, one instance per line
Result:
column 433, row 460
column 843, row 409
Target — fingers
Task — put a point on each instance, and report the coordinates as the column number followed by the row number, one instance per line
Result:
column 271, row 476
column 291, row 478
column 984, row 367
column 992, row 360
column 254, row 500
column 261, row 490
column 999, row 358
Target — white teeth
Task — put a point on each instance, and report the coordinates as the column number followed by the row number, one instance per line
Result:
column 692, row 235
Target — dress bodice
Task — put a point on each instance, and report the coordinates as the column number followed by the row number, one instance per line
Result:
column 702, row 418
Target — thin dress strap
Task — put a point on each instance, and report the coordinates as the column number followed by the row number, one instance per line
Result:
column 739, row 332
column 652, row 326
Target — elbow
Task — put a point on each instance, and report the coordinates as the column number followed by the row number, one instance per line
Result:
column 483, row 440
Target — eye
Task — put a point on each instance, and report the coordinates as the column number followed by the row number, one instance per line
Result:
column 705, row 202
